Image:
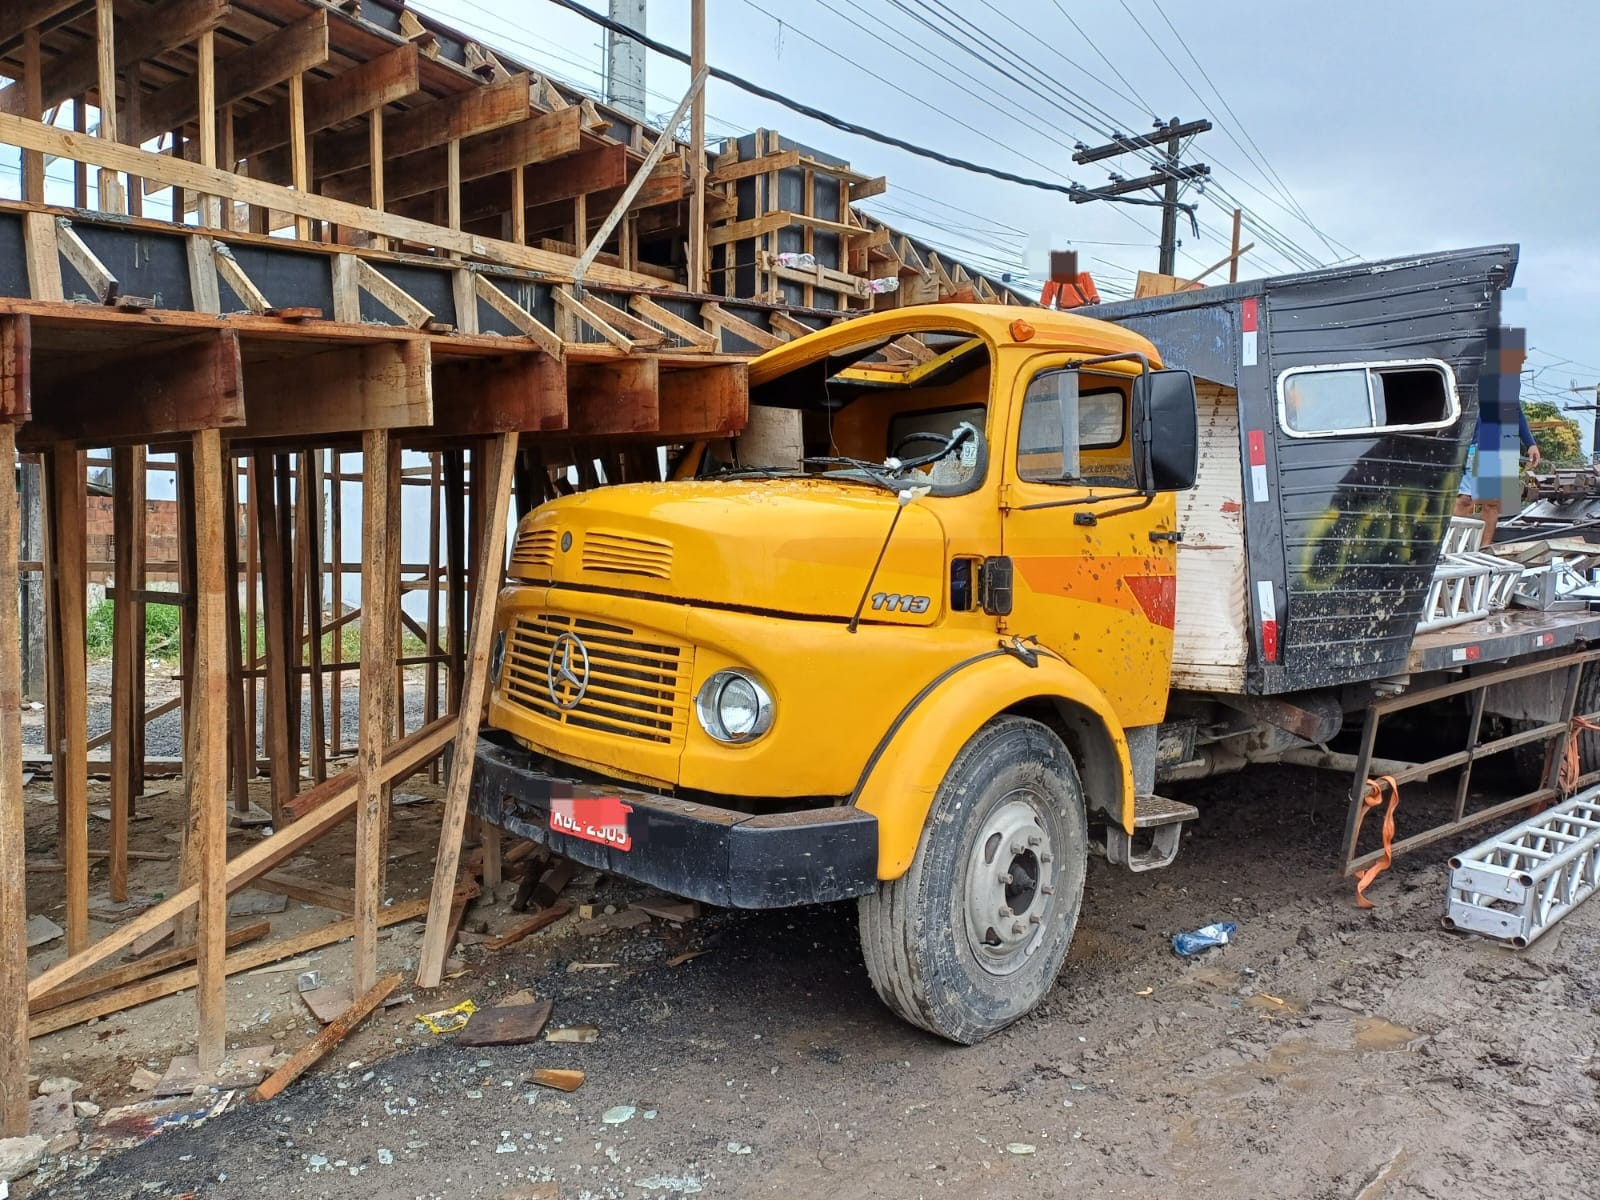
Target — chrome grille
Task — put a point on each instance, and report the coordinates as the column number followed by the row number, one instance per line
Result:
column 534, row 553
column 624, row 554
column 637, row 687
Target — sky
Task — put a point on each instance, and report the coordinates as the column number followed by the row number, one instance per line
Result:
column 1367, row 129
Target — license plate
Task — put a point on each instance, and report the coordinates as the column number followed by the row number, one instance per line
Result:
column 600, row 819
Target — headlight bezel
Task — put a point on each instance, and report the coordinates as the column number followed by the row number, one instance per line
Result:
column 707, row 707
column 497, row 657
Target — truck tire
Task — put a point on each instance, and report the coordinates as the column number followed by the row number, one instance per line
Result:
column 973, row 935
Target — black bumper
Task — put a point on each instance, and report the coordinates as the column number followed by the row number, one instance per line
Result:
column 717, row 855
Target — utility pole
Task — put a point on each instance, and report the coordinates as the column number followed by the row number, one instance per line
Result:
column 625, row 60
column 1588, row 408
column 697, row 150
column 1167, row 176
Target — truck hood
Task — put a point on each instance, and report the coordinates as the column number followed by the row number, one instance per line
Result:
column 796, row 547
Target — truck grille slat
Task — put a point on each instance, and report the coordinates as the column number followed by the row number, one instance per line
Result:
column 637, row 687
column 534, row 553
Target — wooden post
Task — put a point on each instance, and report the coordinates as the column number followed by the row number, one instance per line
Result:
column 33, row 109
column 127, row 709
column 208, row 772
column 252, row 586
column 375, row 153
column 241, row 738
column 111, row 198
column 336, row 588
column 380, row 598
column 209, row 209
column 274, row 663
column 309, row 539
column 430, row 690
column 519, row 207
column 494, row 493
column 697, row 151
column 69, row 583
column 1233, row 257
column 299, row 160
column 13, row 877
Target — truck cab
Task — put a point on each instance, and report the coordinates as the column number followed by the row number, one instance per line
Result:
column 905, row 649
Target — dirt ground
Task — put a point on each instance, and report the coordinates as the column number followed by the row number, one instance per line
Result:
column 1328, row 1052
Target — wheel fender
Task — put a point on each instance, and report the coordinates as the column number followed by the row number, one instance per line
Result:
column 911, row 760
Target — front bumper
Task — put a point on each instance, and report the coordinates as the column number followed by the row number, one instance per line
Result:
column 717, row 855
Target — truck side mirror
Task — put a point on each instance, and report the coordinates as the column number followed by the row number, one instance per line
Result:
column 1171, row 430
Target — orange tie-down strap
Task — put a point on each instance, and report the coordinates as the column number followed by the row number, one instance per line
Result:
column 1572, row 760
column 1377, row 789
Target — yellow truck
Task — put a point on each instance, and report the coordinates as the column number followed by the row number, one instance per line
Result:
column 920, row 660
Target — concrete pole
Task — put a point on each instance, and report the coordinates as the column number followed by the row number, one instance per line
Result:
column 625, row 74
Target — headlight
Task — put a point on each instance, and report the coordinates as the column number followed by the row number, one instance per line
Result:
column 497, row 656
column 734, row 707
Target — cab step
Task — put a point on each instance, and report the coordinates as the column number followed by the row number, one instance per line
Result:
column 1164, row 819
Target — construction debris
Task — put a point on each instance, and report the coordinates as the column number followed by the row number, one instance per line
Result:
column 679, row 912
column 561, row 1080
column 507, row 1025
column 532, row 925
column 449, row 1020
column 574, row 1033
column 325, row 1041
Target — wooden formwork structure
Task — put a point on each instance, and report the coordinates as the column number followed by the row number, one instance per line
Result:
column 301, row 234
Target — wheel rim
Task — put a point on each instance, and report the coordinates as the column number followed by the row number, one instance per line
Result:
column 1010, row 888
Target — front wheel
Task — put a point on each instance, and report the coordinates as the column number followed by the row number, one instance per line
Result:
column 973, row 935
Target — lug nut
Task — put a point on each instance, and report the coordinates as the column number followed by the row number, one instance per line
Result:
column 1034, row 839
column 1048, row 889
column 1017, row 848
column 1018, row 927
column 1045, row 858
column 1006, row 911
column 1005, row 878
column 1035, row 919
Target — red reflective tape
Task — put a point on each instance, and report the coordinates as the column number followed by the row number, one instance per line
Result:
column 1258, row 448
column 1247, row 316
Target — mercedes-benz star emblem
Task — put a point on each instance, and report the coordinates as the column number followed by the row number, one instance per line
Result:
column 567, row 672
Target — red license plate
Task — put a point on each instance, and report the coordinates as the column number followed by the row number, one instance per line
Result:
column 601, row 819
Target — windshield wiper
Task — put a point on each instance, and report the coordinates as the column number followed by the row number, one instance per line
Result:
column 869, row 469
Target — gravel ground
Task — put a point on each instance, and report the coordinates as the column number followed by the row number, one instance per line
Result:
column 1328, row 1053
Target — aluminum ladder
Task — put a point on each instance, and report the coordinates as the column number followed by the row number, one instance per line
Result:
column 1518, row 884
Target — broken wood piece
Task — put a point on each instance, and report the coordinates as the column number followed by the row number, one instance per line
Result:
column 330, row 1037
column 307, row 891
column 562, row 1081
column 531, row 926
column 300, row 313
column 327, row 1004
column 507, row 1025
column 676, row 911
column 581, row 1034
column 554, row 882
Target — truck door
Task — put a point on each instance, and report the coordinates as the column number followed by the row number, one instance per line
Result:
column 1089, row 579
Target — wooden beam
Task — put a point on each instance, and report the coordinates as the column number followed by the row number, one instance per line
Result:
column 69, row 583
column 391, row 295
column 32, row 84
column 164, row 386
column 516, row 393
column 539, row 138
column 156, row 31
column 476, row 111
column 127, row 710
column 347, row 389
column 208, row 772
column 619, row 397
column 639, row 332
column 566, row 301
column 100, row 281
column 370, row 994
column 277, row 58
column 29, row 135
column 14, row 1088
column 16, row 369
column 370, row 85
column 495, row 497
column 782, row 160
column 708, row 401
column 335, row 805
column 20, row 16
column 143, row 968
column 526, row 323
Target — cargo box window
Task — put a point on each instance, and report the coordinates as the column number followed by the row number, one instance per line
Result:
column 1367, row 398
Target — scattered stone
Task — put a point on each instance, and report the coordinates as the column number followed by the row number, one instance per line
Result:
column 676, row 911
column 85, row 1108
column 618, row 1114
column 385, row 1156
column 19, row 1156
column 738, row 1148
column 57, row 1083
column 631, row 919
column 1019, row 1148
column 143, row 1079
column 41, row 929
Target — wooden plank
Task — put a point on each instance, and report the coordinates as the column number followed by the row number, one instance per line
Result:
column 699, row 339
column 347, row 389
column 77, row 72
column 336, row 804
column 280, row 57
column 299, row 159
column 617, row 397
column 111, row 194
column 596, row 170
column 102, row 283
column 495, row 497
column 33, row 108
column 380, row 599
column 203, row 288
column 269, row 527
column 28, row 135
column 715, row 314
column 43, row 256
column 867, row 188
column 708, row 401
column 478, row 110
column 783, row 160
column 523, row 393
column 14, row 1088
column 182, row 980
column 16, row 368
column 529, row 325
column 579, row 310
column 391, row 295
column 128, row 527
column 325, row 1041
column 307, row 891
column 69, row 582
column 153, row 964
column 167, row 386
column 233, row 275
column 640, row 333
column 464, row 298
column 22, row 15
column 531, row 926
column 361, row 89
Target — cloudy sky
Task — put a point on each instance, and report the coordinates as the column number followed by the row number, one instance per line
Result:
column 1370, row 128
